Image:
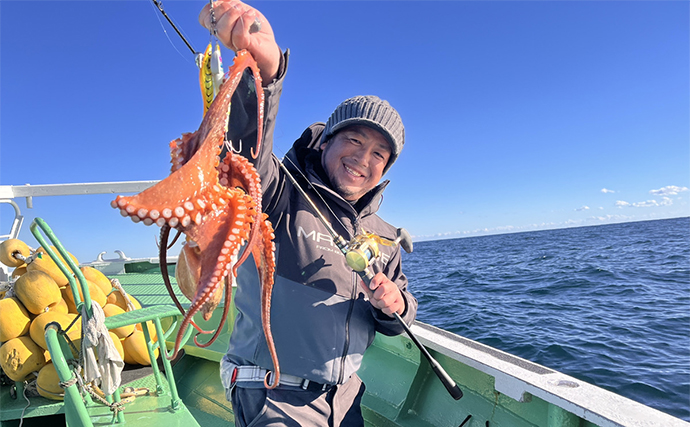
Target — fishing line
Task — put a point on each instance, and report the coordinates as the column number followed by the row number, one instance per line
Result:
column 159, row 5
column 315, row 190
column 166, row 34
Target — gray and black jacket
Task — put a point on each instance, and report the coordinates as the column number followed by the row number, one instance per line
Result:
column 320, row 319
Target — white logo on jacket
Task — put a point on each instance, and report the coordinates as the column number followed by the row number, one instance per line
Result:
column 321, row 237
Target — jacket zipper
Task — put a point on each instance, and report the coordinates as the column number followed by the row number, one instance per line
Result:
column 347, row 329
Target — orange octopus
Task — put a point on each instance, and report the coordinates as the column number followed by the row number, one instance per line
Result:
column 217, row 205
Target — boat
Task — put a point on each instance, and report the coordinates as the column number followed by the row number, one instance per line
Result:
column 499, row 389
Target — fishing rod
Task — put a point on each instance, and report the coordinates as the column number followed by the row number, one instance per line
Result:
column 362, row 249
column 359, row 253
column 159, row 5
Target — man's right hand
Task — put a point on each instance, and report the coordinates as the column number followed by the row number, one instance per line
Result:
column 240, row 26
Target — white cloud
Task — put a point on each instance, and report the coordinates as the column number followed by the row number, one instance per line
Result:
column 665, row 201
column 647, row 204
column 606, row 190
column 609, row 218
column 669, row 190
column 583, row 208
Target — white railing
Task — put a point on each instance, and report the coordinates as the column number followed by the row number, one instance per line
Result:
column 28, row 191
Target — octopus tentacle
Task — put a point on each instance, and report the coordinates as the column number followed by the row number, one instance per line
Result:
column 237, row 171
column 264, row 258
column 217, row 205
column 163, row 264
column 226, row 310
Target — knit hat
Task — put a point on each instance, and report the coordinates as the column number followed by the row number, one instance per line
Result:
column 373, row 112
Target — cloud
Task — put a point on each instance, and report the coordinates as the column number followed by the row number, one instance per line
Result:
column 583, row 208
column 609, row 218
column 669, row 190
column 606, row 190
column 665, row 201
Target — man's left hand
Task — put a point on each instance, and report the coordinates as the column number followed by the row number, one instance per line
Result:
column 385, row 295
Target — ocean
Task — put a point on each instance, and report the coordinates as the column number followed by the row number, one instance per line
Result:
column 606, row 304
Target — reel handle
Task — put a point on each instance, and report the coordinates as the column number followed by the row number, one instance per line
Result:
column 404, row 240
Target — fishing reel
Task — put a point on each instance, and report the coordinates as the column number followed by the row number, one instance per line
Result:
column 364, row 248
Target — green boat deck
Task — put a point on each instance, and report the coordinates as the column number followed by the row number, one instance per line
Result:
column 500, row 390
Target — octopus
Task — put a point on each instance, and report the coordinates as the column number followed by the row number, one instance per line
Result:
column 216, row 204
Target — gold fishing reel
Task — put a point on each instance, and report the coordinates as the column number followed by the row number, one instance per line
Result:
column 364, row 248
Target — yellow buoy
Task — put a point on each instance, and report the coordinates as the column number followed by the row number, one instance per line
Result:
column 21, row 356
column 37, row 328
column 135, row 349
column 11, row 247
column 46, row 264
column 117, row 299
column 97, row 296
column 48, row 383
column 151, row 327
column 122, row 331
column 118, row 344
column 18, row 271
column 37, row 291
column 60, row 307
column 97, row 278
column 14, row 319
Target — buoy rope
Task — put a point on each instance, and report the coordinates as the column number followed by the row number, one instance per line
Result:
column 28, row 403
column 116, row 284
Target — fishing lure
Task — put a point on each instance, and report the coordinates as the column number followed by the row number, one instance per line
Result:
column 206, row 78
column 210, row 74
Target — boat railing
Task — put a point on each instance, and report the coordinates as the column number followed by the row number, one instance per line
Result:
column 9, row 194
column 80, row 291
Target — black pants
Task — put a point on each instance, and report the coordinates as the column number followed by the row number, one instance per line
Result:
column 337, row 406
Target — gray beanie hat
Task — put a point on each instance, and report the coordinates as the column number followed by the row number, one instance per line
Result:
column 369, row 111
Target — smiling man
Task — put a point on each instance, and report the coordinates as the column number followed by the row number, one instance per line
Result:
column 323, row 317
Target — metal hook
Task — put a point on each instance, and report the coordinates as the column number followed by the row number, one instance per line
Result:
column 230, row 147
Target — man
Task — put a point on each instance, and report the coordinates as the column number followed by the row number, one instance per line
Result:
column 323, row 317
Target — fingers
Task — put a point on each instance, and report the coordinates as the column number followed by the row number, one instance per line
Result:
column 385, row 295
column 233, row 20
column 239, row 26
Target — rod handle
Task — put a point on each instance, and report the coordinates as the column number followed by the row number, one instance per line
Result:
column 441, row 373
column 447, row 381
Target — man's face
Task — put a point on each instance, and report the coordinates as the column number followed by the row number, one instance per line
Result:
column 354, row 160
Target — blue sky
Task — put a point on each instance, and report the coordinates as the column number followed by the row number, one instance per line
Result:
column 519, row 115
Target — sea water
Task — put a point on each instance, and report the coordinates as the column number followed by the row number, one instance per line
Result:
column 607, row 304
